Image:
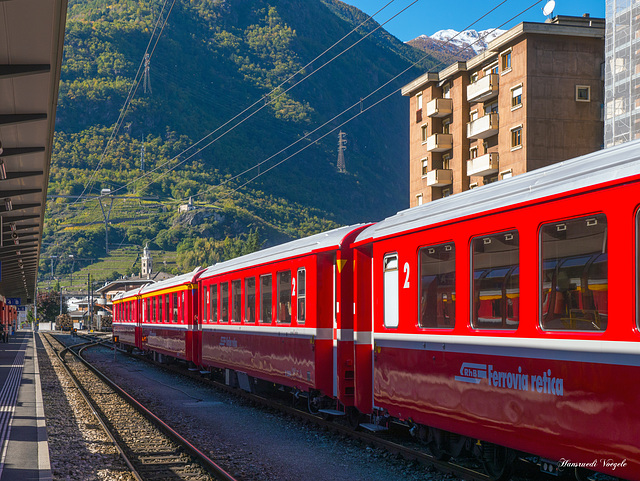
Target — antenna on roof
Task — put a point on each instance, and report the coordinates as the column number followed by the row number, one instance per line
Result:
column 548, row 8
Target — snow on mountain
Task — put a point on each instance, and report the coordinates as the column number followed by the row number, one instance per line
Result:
column 476, row 41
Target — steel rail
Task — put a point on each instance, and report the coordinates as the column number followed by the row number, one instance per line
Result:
column 206, row 462
column 93, row 408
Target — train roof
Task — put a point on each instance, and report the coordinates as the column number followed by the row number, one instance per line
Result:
column 182, row 279
column 588, row 170
column 306, row 245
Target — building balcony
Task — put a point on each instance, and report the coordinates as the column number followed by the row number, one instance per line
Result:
column 439, row 107
column 484, row 165
column 439, row 177
column 483, row 127
column 439, row 142
column 483, row 89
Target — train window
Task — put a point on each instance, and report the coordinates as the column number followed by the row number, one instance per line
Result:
column 266, row 312
column 391, row 305
column 213, row 303
column 175, row 307
column 147, row 303
column 236, row 300
column 302, row 295
column 496, row 281
column 166, row 308
column 153, row 310
column 437, row 286
column 204, row 309
column 284, row 296
column 250, row 299
column 574, row 284
column 160, row 310
column 224, row 302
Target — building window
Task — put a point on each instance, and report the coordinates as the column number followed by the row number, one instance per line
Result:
column 446, row 192
column 493, row 68
column 506, row 61
column 506, row 174
column 425, row 167
column 490, row 179
column 473, row 152
column 445, row 126
column 473, row 185
column 516, row 97
column 423, row 133
column 473, row 77
column 446, row 91
column 419, row 101
column 446, row 160
column 473, row 115
column 583, row 93
column 437, row 286
column 574, row 290
column 266, row 312
column 284, row 296
column 302, row 295
column 419, row 199
column 491, row 108
column 496, row 275
column 516, row 138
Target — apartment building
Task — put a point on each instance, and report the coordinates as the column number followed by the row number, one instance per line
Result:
column 622, row 74
column 533, row 98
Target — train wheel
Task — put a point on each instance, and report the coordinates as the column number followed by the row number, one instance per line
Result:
column 353, row 417
column 313, row 403
column 497, row 461
column 433, row 438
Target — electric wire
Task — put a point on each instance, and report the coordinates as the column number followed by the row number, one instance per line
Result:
column 131, row 94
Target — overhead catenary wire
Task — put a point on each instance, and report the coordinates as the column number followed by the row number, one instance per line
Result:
column 349, row 108
column 132, row 91
column 356, row 104
column 268, row 95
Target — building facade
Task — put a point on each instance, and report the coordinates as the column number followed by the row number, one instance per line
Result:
column 533, row 98
column 622, row 72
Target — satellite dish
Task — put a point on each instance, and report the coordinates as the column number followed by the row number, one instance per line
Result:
column 548, row 8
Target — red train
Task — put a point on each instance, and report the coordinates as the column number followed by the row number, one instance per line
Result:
column 483, row 316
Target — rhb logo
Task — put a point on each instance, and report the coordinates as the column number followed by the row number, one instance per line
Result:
column 473, row 373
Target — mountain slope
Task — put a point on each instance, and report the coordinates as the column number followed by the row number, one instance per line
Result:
column 215, row 58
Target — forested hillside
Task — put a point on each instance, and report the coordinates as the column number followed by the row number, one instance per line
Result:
column 214, row 59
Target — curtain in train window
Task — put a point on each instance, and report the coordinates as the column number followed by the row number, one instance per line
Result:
column 437, row 286
column 224, row 302
column 284, row 296
column 391, row 306
column 175, row 307
column 574, row 290
column 266, row 312
column 250, row 299
column 302, row 295
column 213, row 303
column 496, row 281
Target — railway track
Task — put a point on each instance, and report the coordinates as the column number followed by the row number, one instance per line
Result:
column 388, row 443
column 151, row 449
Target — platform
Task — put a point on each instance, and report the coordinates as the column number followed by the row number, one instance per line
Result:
column 23, row 433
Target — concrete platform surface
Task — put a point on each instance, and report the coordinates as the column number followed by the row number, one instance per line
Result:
column 23, row 432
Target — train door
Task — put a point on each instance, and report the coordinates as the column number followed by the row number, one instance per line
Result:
column 198, row 313
column 336, row 308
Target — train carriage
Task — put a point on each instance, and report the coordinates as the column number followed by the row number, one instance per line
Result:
column 125, row 323
column 168, row 319
column 284, row 315
column 509, row 314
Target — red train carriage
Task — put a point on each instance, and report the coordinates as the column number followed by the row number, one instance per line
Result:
column 285, row 315
column 125, row 323
column 167, row 317
column 508, row 314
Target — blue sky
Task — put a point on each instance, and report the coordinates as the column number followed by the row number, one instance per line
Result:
column 429, row 16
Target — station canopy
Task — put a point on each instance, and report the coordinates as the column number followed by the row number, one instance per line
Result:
column 31, row 41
